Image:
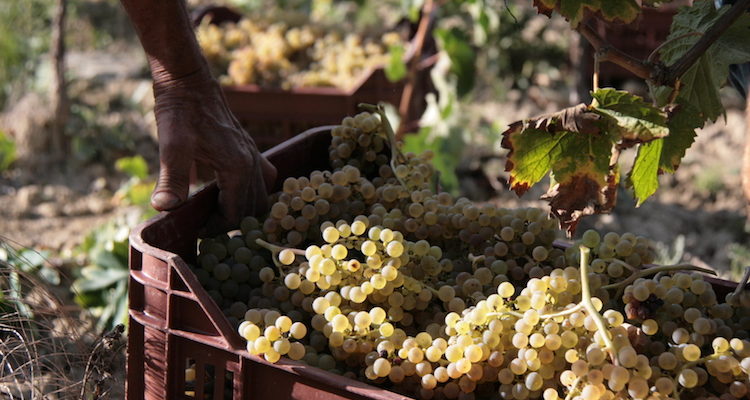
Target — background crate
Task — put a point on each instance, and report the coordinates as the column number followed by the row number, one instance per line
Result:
column 174, row 323
column 273, row 115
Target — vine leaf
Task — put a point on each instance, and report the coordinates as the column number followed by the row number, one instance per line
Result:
column 699, row 86
column 683, row 121
column 462, row 55
column 644, row 177
column 634, row 119
column 569, row 145
column 575, row 147
column 574, row 10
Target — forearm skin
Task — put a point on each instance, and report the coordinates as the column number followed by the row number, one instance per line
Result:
column 165, row 31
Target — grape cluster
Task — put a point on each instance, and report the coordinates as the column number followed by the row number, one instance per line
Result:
column 367, row 271
column 291, row 53
column 272, row 335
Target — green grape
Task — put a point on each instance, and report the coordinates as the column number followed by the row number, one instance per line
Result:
column 539, row 253
column 222, row 272
column 591, row 239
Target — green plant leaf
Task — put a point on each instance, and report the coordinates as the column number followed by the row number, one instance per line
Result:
column 140, row 193
column 50, row 275
column 579, row 164
column 634, row 118
column 455, row 43
column 7, row 151
column 699, row 86
column 121, row 316
column 395, row 70
column 95, row 278
column 29, row 260
column 644, row 177
column 447, row 151
column 135, row 166
column 108, row 260
column 683, row 121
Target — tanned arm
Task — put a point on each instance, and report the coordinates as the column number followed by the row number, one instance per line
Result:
column 196, row 128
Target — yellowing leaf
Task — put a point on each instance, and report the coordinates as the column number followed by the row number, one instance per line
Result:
column 634, row 119
column 578, row 162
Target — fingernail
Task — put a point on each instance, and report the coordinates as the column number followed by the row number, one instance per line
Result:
column 164, row 200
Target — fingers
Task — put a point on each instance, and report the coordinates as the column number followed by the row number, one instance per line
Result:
column 232, row 178
column 174, row 173
column 242, row 186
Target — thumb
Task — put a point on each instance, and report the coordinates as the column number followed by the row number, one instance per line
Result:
column 174, row 181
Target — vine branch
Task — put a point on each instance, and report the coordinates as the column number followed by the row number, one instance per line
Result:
column 607, row 52
column 659, row 74
column 671, row 74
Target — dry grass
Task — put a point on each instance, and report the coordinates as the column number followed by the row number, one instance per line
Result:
column 48, row 349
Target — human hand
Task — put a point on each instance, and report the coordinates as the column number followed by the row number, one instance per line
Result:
column 197, row 130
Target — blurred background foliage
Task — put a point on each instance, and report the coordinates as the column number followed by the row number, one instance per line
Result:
column 488, row 50
column 24, row 38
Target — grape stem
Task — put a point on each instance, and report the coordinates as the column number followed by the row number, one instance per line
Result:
column 428, row 287
column 620, row 286
column 678, row 387
column 573, row 388
column 474, row 260
column 589, row 306
column 504, row 313
column 275, row 250
column 562, row 313
column 623, row 263
column 396, row 155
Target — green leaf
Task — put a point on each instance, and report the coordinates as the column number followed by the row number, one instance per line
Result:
column 395, row 70
column 121, row 317
column 611, row 10
column 536, row 152
column 683, row 121
column 95, row 278
column 644, row 177
column 108, row 260
column 699, row 86
column 412, row 9
column 455, row 43
column 134, row 166
column 50, row 275
column 140, row 193
column 7, row 151
column 634, row 118
column 31, row 259
column 582, row 181
column 447, row 151
column 533, row 152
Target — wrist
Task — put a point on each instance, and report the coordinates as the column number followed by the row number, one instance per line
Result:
column 166, row 81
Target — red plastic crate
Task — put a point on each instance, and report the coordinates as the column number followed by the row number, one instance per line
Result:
column 175, row 323
column 273, row 115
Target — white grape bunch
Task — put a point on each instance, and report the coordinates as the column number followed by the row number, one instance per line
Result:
column 368, row 271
